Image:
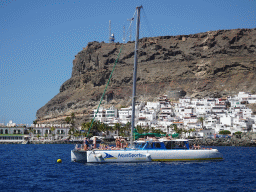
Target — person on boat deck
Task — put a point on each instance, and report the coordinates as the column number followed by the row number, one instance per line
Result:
column 122, row 142
column 101, row 146
column 167, row 137
column 196, row 147
column 126, row 144
column 94, row 142
column 86, row 144
column 118, row 144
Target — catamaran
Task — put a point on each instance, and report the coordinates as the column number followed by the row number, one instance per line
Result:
column 145, row 150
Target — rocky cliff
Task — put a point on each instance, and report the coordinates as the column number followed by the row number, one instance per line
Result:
column 210, row 64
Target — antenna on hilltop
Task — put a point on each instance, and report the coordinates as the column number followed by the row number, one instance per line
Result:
column 111, row 36
column 124, row 34
column 109, row 31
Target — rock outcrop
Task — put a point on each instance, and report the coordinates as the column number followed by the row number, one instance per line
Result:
column 244, row 140
column 210, row 64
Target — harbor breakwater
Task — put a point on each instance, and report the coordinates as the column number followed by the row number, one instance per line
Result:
column 43, row 142
column 201, row 142
column 224, row 142
column 243, row 140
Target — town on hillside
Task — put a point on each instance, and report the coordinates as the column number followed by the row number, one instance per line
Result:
column 189, row 117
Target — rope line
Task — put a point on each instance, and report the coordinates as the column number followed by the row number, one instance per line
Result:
column 147, row 24
column 105, row 89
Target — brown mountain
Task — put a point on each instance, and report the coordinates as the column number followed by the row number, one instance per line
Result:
column 210, row 64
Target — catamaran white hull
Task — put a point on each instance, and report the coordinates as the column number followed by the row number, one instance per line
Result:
column 112, row 156
column 78, row 156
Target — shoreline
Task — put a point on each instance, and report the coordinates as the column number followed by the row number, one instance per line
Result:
column 202, row 142
column 42, row 142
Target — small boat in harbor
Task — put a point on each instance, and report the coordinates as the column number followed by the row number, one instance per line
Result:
column 144, row 150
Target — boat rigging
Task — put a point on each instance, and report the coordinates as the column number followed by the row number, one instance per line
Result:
column 144, row 150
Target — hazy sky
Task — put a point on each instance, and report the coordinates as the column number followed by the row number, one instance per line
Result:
column 39, row 38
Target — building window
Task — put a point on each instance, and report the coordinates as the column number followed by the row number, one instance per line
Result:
column 14, row 132
column 1, row 131
column 18, row 131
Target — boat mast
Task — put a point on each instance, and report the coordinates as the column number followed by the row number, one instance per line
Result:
column 135, row 72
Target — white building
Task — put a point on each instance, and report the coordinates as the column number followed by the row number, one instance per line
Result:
column 210, row 122
column 244, row 96
column 153, row 105
column 100, row 116
column 202, row 109
column 144, row 122
column 247, row 113
column 226, row 120
column 11, row 124
column 148, row 114
column 219, row 109
column 254, row 127
column 46, row 133
column 111, row 115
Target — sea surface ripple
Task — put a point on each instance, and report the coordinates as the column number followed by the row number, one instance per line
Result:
column 35, row 168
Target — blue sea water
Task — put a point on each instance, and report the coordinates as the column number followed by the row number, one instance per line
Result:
column 35, row 168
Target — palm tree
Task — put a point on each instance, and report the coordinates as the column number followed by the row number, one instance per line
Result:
column 88, row 126
column 147, row 129
column 176, row 129
column 185, row 131
column 52, row 131
column 152, row 129
column 102, row 127
column 85, row 126
column 201, row 120
column 190, row 130
column 117, row 127
column 72, row 116
column 139, row 129
column 30, row 130
column 127, row 128
column 72, row 119
column 71, row 131
column 35, row 122
column 68, row 120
